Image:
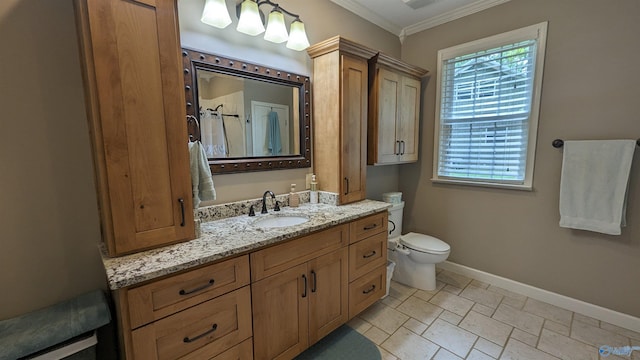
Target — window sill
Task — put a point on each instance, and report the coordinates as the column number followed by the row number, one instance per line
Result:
column 521, row 187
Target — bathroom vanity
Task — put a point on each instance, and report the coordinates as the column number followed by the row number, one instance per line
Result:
column 246, row 291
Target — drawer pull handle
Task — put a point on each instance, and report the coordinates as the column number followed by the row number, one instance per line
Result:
column 369, row 227
column 189, row 340
column 369, row 255
column 315, row 281
column 187, row 292
column 181, row 201
column 304, row 277
column 373, row 287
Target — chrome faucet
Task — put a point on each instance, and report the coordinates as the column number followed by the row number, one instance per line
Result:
column 264, row 200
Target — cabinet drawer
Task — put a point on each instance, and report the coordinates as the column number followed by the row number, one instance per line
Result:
column 162, row 298
column 284, row 256
column 242, row 351
column 200, row 332
column 371, row 225
column 366, row 290
column 367, row 255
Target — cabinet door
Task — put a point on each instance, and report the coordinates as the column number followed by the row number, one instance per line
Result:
column 136, row 109
column 353, row 129
column 388, row 141
column 329, row 298
column 280, row 314
column 408, row 125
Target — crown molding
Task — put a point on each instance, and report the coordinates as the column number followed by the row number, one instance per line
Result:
column 452, row 15
column 428, row 23
column 369, row 15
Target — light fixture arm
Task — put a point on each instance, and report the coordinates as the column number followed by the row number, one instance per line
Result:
column 279, row 8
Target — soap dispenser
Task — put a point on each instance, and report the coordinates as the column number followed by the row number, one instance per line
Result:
column 313, row 194
column 294, row 198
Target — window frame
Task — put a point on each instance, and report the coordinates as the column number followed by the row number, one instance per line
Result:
column 537, row 32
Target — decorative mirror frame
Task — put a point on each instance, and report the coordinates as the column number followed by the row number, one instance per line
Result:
column 193, row 59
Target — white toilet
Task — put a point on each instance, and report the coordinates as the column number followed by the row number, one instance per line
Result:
column 415, row 255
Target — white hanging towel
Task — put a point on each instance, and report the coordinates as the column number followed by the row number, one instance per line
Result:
column 593, row 186
column 213, row 136
column 201, row 179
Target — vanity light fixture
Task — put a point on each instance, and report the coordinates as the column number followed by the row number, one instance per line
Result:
column 250, row 22
column 216, row 14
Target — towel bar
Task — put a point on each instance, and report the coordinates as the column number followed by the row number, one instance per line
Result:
column 558, row 143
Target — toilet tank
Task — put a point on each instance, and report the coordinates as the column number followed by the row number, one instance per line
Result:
column 395, row 217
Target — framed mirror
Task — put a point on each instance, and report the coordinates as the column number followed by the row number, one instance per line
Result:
column 248, row 117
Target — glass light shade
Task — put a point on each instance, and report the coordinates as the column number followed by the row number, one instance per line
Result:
column 250, row 22
column 297, row 36
column 276, row 30
column 216, row 14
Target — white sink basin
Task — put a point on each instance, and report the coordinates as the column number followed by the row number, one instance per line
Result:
column 280, row 221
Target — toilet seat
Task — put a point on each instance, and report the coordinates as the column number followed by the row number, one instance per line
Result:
column 424, row 243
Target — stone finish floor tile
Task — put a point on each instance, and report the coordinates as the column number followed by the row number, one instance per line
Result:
column 415, row 326
column 450, row 337
column 548, row 311
column 596, row 336
column 519, row 319
column 450, row 317
column 452, row 289
column 486, row 327
column 454, row 279
column 443, row 354
column 391, row 301
column 622, row 331
column 488, row 348
column 420, row 310
column 376, row 335
column 451, row 302
column 525, row 337
column 359, row 325
column 478, row 355
column 484, row 310
column 408, row 346
column 400, row 291
column 480, row 284
column 586, row 319
column 482, row 296
column 385, row 318
column 516, row 350
column 559, row 328
column 565, row 347
column 385, row 355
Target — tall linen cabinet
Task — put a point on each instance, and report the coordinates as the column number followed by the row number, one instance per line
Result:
column 340, row 102
column 136, row 110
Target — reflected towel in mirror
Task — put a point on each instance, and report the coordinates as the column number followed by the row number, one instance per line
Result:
column 275, row 144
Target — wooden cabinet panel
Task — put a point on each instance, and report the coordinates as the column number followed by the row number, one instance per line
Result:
column 199, row 332
column 135, row 105
column 329, row 298
column 280, row 314
column 367, row 255
column 340, row 93
column 354, row 129
column 164, row 297
column 242, row 351
column 368, row 226
column 394, row 111
column 366, row 290
column 280, row 257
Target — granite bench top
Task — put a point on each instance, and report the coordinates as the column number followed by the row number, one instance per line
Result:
column 228, row 237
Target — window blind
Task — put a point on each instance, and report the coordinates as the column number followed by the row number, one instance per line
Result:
column 485, row 108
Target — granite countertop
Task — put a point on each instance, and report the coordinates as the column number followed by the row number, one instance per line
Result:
column 228, row 237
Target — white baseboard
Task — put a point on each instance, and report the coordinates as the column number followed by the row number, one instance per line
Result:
column 598, row 312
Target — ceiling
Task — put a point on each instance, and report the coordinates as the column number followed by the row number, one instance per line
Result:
column 406, row 17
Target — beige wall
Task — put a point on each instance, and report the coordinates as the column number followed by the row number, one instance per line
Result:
column 48, row 210
column 590, row 90
column 323, row 19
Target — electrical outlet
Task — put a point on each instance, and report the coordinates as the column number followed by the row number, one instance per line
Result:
column 308, row 182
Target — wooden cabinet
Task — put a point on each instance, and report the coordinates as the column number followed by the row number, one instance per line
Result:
column 340, row 101
column 296, row 307
column 197, row 314
column 136, row 111
column 367, row 262
column 394, row 111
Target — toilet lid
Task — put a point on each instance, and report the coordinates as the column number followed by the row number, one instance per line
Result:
column 424, row 243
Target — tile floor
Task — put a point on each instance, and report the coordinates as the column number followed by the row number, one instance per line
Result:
column 468, row 319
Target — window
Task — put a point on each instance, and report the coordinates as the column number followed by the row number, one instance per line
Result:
column 487, row 100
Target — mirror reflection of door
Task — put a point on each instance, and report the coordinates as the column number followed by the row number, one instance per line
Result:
column 270, row 125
